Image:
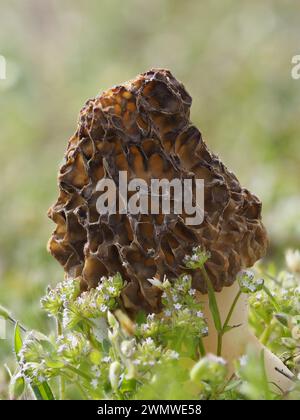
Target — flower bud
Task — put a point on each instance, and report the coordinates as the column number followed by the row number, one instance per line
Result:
column 114, row 374
column 209, row 368
column 113, row 334
column 128, row 347
column 111, row 320
column 155, row 282
column 247, row 282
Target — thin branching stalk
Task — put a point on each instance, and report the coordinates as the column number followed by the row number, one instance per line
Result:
column 62, row 385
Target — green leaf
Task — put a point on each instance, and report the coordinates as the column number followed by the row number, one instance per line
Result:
column 16, row 386
column 54, row 364
column 43, row 392
column 18, row 342
column 213, row 306
column 230, row 327
column 282, row 318
column 272, row 299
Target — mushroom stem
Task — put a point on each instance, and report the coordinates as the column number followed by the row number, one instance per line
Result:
column 235, row 342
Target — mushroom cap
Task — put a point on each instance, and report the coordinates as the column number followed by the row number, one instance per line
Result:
column 143, row 127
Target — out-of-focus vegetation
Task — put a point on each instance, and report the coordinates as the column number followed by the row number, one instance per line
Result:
column 235, row 60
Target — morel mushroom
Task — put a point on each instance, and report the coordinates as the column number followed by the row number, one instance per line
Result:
column 143, row 128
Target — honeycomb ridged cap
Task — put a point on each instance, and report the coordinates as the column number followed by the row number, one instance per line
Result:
column 143, row 127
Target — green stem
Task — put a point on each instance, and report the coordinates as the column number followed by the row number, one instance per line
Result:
column 225, row 325
column 231, row 309
column 201, row 347
column 264, row 338
column 264, row 375
column 219, row 344
column 213, row 306
column 13, row 321
column 79, row 372
column 62, row 385
column 272, row 299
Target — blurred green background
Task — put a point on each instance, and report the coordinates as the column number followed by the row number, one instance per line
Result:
column 235, row 60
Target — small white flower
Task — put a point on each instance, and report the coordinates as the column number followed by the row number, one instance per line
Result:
column 99, row 287
column 177, row 306
column 136, row 362
column 204, row 331
column 103, row 308
column 174, row 355
column 150, row 317
column 111, row 289
column 164, row 295
column 243, row 360
column 167, row 312
column 144, row 327
column 186, row 278
column 200, row 314
column 192, row 292
column 62, row 348
column 106, row 359
column 149, row 340
column 94, row 383
column 216, row 359
column 74, row 340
